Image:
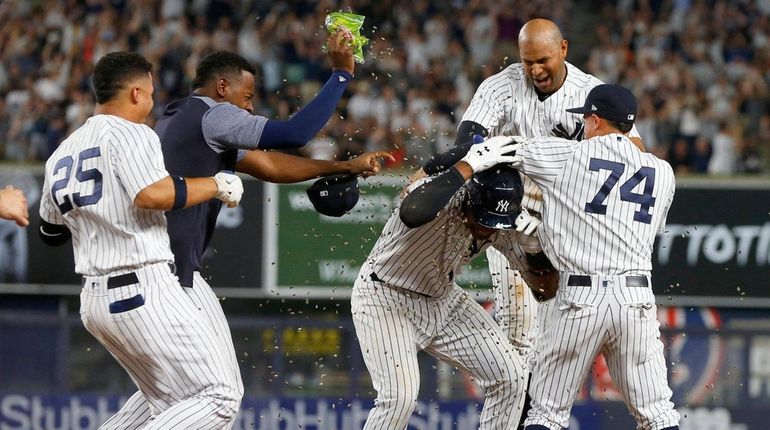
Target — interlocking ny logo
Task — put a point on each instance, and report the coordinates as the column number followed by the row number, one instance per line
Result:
column 502, row 205
column 560, row 131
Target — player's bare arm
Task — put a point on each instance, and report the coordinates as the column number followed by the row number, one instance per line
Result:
column 174, row 192
column 283, row 168
column 13, row 206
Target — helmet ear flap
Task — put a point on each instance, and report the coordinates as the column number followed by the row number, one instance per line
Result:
column 494, row 197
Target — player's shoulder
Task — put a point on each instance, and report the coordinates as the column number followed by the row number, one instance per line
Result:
column 580, row 80
column 658, row 163
column 123, row 130
column 509, row 77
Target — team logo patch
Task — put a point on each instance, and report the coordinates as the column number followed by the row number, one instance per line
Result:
column 631, row 117
column 502, row 205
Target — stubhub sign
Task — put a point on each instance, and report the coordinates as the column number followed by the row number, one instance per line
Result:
column 86, row 412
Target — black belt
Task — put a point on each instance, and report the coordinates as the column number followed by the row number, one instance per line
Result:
column 585, row 281
column 373, row 276
column 127, row 278
column 122, row 280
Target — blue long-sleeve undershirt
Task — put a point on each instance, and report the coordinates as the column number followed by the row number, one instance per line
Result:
column 308, row 121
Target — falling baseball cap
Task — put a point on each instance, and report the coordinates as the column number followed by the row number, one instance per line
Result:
column 334, row 195
column 611, row 102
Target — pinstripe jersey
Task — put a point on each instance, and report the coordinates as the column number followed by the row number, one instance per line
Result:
column 506, row 103
column 605, row 201
column 90, row 184
column 426, row 259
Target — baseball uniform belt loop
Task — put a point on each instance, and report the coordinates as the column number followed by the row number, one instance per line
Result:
column 585, row 281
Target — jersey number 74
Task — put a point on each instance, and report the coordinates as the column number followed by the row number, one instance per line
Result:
column 645, row 200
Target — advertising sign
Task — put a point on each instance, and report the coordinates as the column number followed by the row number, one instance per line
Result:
column 716, row 247
column 716, row 244
column 72, row 412
column 314, row 255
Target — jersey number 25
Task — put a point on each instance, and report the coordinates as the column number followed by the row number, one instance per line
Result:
column 644, row 200
column 67, row 200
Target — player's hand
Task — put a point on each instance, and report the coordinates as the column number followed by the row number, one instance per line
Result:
column 496, row 150
column 340, row 50
column 13, row 206
column 368, row 163
column 527, row 223
column 229, row 188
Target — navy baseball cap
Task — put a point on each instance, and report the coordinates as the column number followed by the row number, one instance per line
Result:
column 334, row 195
column 611, row 102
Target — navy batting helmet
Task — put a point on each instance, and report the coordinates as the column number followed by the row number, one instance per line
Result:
column 494, row 197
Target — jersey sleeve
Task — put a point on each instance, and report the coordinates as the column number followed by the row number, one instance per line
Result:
column 486, row 107
column 226, row 126
column 542, row 159
column 138, row 162
column 49, row 212
column 670, row 181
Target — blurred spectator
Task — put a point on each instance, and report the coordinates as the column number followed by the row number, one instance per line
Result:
column 691, row 63
column 723, row 157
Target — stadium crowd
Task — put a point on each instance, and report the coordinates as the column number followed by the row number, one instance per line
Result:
column 701, row 68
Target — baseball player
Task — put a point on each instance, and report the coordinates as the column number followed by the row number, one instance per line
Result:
column 526, row 99
column 212, row 130
column 106, row 188
column 13, row 206
column 604, row 201
column 405, row 297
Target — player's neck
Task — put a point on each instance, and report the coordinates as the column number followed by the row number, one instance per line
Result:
column 606, row 131
column 118, row 109
column 210, row 93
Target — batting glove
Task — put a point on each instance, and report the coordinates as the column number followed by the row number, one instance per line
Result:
column 496, row 150
column 229, row 188
column 527, row 223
